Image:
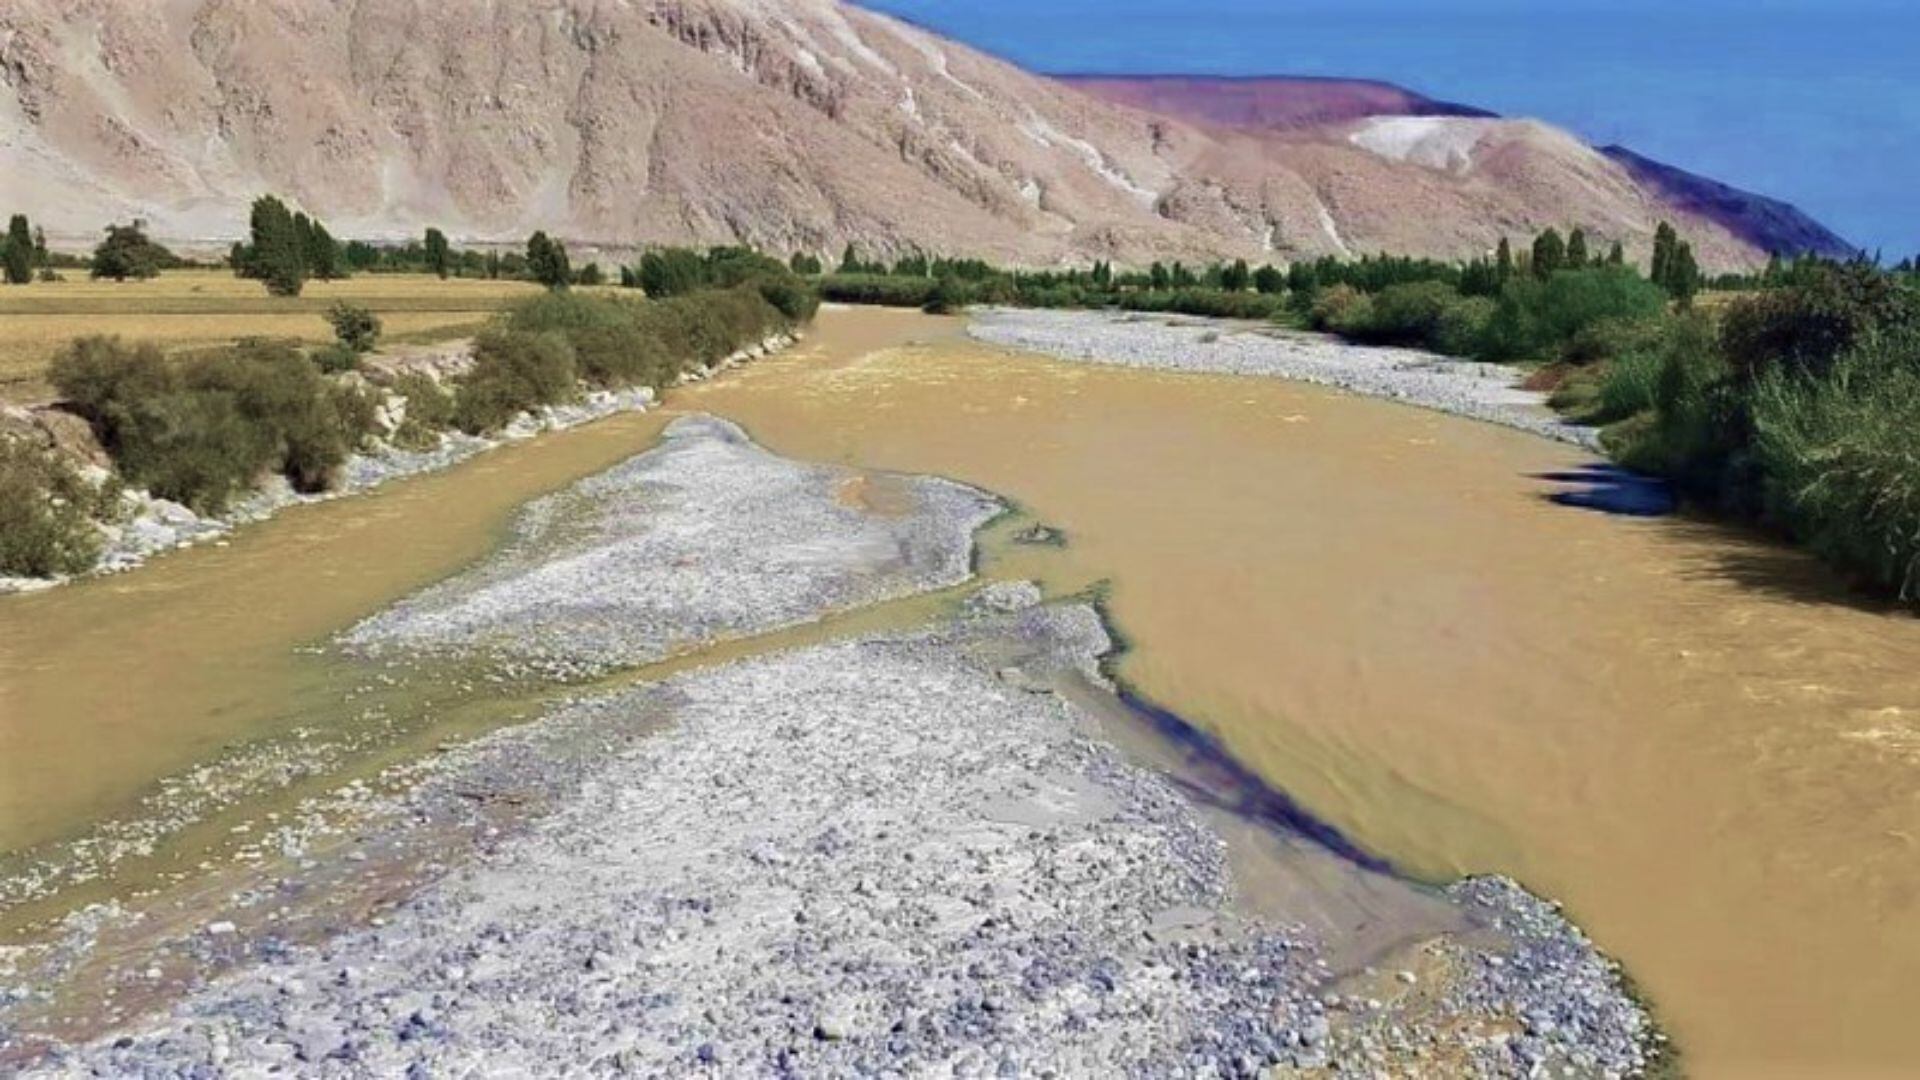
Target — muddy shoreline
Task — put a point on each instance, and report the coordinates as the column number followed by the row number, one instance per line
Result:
column 908, row 850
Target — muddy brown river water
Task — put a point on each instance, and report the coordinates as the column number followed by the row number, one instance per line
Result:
column 1693, row 738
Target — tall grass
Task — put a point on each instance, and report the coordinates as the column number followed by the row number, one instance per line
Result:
column 1839, row 459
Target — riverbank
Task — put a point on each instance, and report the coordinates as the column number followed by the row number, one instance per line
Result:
column 905, row 850
column 148, row 526
column 1487, row 392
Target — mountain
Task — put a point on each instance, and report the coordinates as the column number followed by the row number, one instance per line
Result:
column 1278, row 102
column 1769, row 224
column 1272, row 103
column 787, row 124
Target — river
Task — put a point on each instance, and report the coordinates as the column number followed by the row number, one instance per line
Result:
column 1689, row 736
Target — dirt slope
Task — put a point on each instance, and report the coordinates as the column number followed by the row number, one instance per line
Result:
column 783, row 123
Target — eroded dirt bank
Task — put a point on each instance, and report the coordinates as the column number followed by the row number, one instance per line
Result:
column 905, row 851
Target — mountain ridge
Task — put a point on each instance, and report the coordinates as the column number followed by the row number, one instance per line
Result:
column 789, row 125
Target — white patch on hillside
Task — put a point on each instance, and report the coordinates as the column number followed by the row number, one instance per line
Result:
column 935, row 55
column 1436, row 142
column 1051, row 137
column 1331, row 228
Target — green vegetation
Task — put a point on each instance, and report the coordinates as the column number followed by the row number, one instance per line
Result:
column 127, row 253
column 356, row 327
column 513, row 371
column 547, row 262
column 204, row 429
column 439, row 256
column 47, row 513
column 16, row 255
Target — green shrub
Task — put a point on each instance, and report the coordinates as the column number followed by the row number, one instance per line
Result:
column 1337, row 306
column 46, row 514
column 429, row 411
column 513, row 372
column 1535, row 318
column 1605, row 339
column 1425, row 314
column 1694, row 433
column 790, row 295
column 1806, row 327
column 202, row 430
column 356, row 327
column 335, row 358
column 1630, row 384
column 949, row 295
column 876, row 289
column 619, row 341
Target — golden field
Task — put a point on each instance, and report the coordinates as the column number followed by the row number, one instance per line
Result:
column 196, row 308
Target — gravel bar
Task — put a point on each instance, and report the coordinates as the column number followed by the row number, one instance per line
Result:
column 1488, row 392
column 706, row 536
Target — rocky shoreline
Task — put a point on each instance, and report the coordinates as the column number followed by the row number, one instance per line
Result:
column 904, row 852
column 1486, row 392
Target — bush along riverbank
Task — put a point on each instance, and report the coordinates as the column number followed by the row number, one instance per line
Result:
column 147, row 452
column 1782, row 398
column 1790, row 405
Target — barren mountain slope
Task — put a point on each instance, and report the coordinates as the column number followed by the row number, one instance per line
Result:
column 783, row 123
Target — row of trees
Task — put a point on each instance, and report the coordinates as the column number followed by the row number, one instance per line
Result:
column 285, row 248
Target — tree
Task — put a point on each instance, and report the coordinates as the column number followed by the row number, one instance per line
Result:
column 850, row 260
column 1158, row 278
column 1617, row 256
column 1236, row 277
column 1503, row 261
column 439, row 255
column 1664, row 239
column 275, row 254
column 18, row 254
column 547, row 262
column 321, row 254
column 1683, row 274
column 805, row 264
column 40, row 256
column 1577, row 249
column 127, row 253
column 672, row 272
column 1267, row 280
column 1549, row 253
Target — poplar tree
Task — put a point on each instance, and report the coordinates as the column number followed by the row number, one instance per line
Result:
column 1503, row 262
column 1664, row 239
column 547, row 262
column 1617, row 256
column 274, row 254
column 438, row 254
column 320, row 253
column 1549, row 253
column 19, row 251
column 1577, row 250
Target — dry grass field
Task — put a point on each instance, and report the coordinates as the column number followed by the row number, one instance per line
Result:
column 196, row 308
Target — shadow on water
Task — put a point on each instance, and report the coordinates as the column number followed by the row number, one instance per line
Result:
column 1610, row 489
column 1218, row 779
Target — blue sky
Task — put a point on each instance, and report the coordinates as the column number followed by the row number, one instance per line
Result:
column 1816, row 103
